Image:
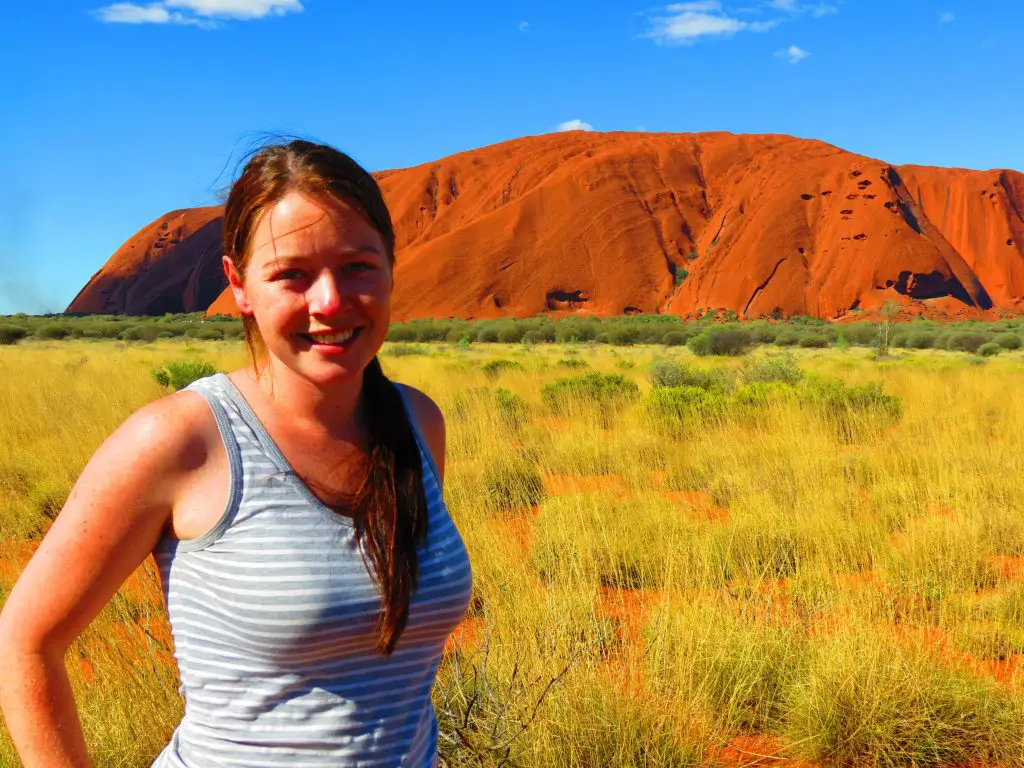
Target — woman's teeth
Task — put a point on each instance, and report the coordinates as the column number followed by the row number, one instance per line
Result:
column 332, row 338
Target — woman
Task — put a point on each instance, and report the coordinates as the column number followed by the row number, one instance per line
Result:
column 310, row 570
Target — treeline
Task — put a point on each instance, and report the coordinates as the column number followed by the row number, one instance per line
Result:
column 712, row 337
column 703, row 336
column 197, row 326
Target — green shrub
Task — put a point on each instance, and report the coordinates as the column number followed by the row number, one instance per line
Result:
column 511, row 408
column 606, row 391
column 989, row 349
column 210, row 334
column 406, row 350
column 141, row 333
column 493, row 368
column 510, row 334
column 52, row 331
column 674, row 339
column 11, row 334
column 764, row 334
column 758, row 394
column 720, row 340
column 921, row 340
column 487, row 334
column 676, row 408
column 572, row 362
column 862, row 334
column 622, row 336
column 402, row 332
column 813, row 342
column 781, row 368
column 1008, row 341
column 854, row 412
column 512, row 483
column 625, row 364
column 966, row 341
column 178, row 374
column 669, row 373
column 787, row 338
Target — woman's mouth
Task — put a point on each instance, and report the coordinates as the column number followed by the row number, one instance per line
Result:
column 328, row 341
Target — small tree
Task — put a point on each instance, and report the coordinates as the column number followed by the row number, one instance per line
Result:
column 890, row 310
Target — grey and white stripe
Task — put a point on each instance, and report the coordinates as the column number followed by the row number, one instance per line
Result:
column 273, row 614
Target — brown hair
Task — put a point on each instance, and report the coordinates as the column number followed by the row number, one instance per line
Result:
column 390, row 508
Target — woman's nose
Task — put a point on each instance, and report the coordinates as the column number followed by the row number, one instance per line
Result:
column 325, row 295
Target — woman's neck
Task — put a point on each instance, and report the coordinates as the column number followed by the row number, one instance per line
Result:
column 303, row 403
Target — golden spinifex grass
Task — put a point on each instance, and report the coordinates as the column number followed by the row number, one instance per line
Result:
column 659, row 579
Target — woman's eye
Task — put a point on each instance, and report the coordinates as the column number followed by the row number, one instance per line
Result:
column 360, row 266
column 289, row 274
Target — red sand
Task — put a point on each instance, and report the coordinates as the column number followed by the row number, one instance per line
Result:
column 597, row 223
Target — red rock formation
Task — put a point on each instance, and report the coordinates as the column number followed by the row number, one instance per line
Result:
column 600, row 223
column 171, row 265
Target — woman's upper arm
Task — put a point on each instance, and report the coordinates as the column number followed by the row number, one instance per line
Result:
column 431, row 423
column 112, row 520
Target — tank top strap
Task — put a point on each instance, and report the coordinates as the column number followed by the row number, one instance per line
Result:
column 421, row 442
column 211, row 389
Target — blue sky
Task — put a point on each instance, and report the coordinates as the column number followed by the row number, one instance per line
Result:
column 116, row 114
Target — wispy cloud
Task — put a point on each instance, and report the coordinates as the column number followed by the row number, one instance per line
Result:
column 793, row 54
column 196, row 12
column 574, row 125
column 796, row 7
column 946, row 17
column 524, row 26
column 685, row 23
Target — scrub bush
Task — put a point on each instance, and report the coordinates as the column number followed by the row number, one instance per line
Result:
column 179, row 374
column 721, row 340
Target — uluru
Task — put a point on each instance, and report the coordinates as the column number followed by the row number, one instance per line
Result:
column 612, row 223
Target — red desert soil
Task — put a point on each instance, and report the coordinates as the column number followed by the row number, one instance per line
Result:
column 598, row 223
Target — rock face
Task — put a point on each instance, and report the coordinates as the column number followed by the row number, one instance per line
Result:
column 629, row 222
column 171, row 265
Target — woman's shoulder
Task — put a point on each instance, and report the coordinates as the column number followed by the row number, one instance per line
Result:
column 174, row 431
column 423, row 407
column 430, row 421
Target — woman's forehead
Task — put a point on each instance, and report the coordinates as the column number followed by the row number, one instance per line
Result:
column 299, row 223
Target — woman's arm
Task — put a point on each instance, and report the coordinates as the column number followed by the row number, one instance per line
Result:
column 110, row 523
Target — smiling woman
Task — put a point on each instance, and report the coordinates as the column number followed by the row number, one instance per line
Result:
column 310, row 569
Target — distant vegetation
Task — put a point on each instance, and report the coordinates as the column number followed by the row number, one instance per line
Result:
column 707, row 336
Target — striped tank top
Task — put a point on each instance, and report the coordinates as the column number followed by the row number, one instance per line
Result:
column 273, row 616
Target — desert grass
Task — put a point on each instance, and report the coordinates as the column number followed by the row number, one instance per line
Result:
column 835, row 587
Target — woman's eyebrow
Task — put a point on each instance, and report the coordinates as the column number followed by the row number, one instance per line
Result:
column 288, row 259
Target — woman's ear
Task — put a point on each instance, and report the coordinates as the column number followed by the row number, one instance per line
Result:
column 237, row 286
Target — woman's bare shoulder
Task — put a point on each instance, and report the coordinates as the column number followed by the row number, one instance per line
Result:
column 430, row 420
column 172, row 429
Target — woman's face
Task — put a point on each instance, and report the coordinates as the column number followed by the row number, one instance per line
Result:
column 319, row 286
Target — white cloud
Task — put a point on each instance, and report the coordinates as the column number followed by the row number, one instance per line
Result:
column 691, row 21
column 794, row 7
column 793, row 54
column 197, row 12
column 946, row 17
column 524, row 26
column 574, row 125
column 129, row 13
column 237, row 9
